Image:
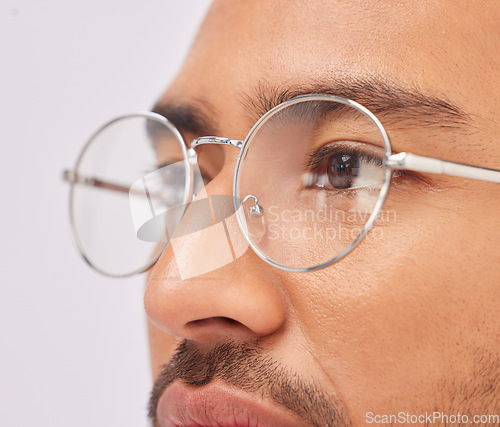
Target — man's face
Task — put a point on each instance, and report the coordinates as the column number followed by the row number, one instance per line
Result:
column 405, row 323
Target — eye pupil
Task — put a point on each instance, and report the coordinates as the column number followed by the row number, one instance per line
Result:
column 342, row 170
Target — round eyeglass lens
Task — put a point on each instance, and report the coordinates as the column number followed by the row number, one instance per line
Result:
column 131, row 184
column 310, row 181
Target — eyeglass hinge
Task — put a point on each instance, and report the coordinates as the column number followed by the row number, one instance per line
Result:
column 395, row 161
column 72, row 177
column 69, row 176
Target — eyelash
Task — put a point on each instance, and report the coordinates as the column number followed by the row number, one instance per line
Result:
column 317, row 166
column 319, row 156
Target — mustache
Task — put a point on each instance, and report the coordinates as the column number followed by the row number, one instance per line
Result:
column 244, row 366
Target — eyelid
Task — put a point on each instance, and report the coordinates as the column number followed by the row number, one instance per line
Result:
column 369, row 152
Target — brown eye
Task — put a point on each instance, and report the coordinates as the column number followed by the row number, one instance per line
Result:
column 343, row 170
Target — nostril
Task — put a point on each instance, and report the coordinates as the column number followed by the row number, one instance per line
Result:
column 221, row 327
column 214, row 322
column 228, row 321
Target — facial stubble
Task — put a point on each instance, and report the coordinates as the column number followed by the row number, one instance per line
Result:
column 246, row 367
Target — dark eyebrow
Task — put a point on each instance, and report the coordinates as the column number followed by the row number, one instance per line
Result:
column 390, row 102
column 189, row 118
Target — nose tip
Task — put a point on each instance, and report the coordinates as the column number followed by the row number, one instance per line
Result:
column 208, row 284
column 235, row 302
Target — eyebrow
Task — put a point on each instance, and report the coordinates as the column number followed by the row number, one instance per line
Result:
column 192, row 118
column 391, row 102
column 394, row 104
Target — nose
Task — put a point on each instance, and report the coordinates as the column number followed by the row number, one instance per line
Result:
column 232, row 294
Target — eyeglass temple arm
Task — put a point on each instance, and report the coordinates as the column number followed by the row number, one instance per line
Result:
column 401, row 161
column 408, row 161
column 73, row 178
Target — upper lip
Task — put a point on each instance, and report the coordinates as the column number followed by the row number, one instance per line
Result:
column 219, row 405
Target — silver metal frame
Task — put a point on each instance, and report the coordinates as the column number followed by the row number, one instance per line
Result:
column 399, row 161
column 215, row 140
column 73, row 177
column 378, row 206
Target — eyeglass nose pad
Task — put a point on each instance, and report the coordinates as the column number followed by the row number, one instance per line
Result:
column 256, row 223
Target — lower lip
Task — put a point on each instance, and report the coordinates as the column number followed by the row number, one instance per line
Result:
column 218, row 405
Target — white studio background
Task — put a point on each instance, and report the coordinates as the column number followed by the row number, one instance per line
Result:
column 73, row 349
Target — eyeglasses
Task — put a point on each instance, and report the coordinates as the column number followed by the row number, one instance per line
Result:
column 310, row 180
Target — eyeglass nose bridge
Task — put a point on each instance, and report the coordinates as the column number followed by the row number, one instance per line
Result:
column 204, row 140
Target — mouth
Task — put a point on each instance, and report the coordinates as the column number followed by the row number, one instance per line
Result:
column 219, row 405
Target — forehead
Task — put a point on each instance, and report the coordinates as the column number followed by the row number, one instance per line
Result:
column 439, row 47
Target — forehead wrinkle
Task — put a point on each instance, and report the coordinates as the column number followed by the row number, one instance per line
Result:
column 390, row 102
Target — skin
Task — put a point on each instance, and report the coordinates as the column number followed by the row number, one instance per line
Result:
column 408, row 322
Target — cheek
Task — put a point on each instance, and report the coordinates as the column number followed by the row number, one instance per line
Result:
column 161, row 347
column 406, row 309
